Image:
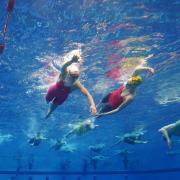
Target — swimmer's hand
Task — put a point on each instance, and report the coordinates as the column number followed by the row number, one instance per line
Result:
column 93, row 110
column 151, row 70
column 75, row 59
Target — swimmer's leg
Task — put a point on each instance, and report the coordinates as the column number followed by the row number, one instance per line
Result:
column 103, row 102
column 105, row 107
column 51, row 109
column 68, row 135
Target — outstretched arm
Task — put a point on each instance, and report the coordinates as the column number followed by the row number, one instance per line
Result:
column 127, row 100
column 143, row 68
column 86, row 93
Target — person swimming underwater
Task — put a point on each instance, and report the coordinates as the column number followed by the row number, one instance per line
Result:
column 67, row 82
column 81, row 128
column 121, row 97
column 36, row 140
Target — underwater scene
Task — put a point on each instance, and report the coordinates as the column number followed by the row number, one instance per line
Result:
column 89, row 89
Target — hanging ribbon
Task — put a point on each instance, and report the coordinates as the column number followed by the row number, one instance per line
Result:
column 10, row 8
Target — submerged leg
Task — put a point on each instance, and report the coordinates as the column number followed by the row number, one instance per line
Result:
column 69, row 134
column 51, row 109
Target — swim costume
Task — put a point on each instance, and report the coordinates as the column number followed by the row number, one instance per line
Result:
column 57, row 93
column 115, row 98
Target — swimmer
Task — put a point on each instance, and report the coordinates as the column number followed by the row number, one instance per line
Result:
column 169, row 130
column 59, row 144
column 121, row 97
column 132, row 138
column 123, row 152
column 99, row 158
column 68, row 148
column 125, row 160
column 81, row 128
column 67, row 82
column 97, row 148
column 95, row 159
column 36, row 140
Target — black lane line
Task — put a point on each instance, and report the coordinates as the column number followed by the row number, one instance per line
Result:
column 155, row 171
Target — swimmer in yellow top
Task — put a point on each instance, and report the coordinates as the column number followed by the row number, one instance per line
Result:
column 121, row 97
column 169, row 130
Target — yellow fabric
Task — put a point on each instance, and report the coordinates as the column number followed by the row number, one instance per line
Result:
column 135, row 80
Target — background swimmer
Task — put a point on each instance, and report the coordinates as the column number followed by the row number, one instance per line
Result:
column 170, row 130
column 81, row 128
column 133, row 138
column 67, row 82
column 121, row 97
column 5, row 138
column 59, row 144
column 36, row 140
column 97, row 148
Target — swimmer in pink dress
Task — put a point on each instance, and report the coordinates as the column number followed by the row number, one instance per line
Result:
column 121, row 97
column 67, row 82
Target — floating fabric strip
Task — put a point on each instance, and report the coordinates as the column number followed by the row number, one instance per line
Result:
column 10, row 8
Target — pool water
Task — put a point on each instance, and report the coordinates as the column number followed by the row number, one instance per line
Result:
column 111, row 36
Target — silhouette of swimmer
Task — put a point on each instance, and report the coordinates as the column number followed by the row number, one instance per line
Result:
column 85, row 165
column 125, row 157
column 78, row 129
column 69, row 148
column 81, row 128
column 97, row 148
column 36, row 140
column 133, row 138
column 96, row 159
column 59, row 144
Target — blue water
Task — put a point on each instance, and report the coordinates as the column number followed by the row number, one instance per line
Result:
column 105, row 30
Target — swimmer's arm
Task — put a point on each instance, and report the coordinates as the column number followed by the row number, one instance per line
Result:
column 126, row 101
column 64, row 68
column 88, row 95
column 56, row 66
column 143, row 68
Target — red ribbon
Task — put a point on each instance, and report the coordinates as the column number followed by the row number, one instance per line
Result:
column 10, row 8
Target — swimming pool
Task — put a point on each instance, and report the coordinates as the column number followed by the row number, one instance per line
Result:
column 111, row 35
